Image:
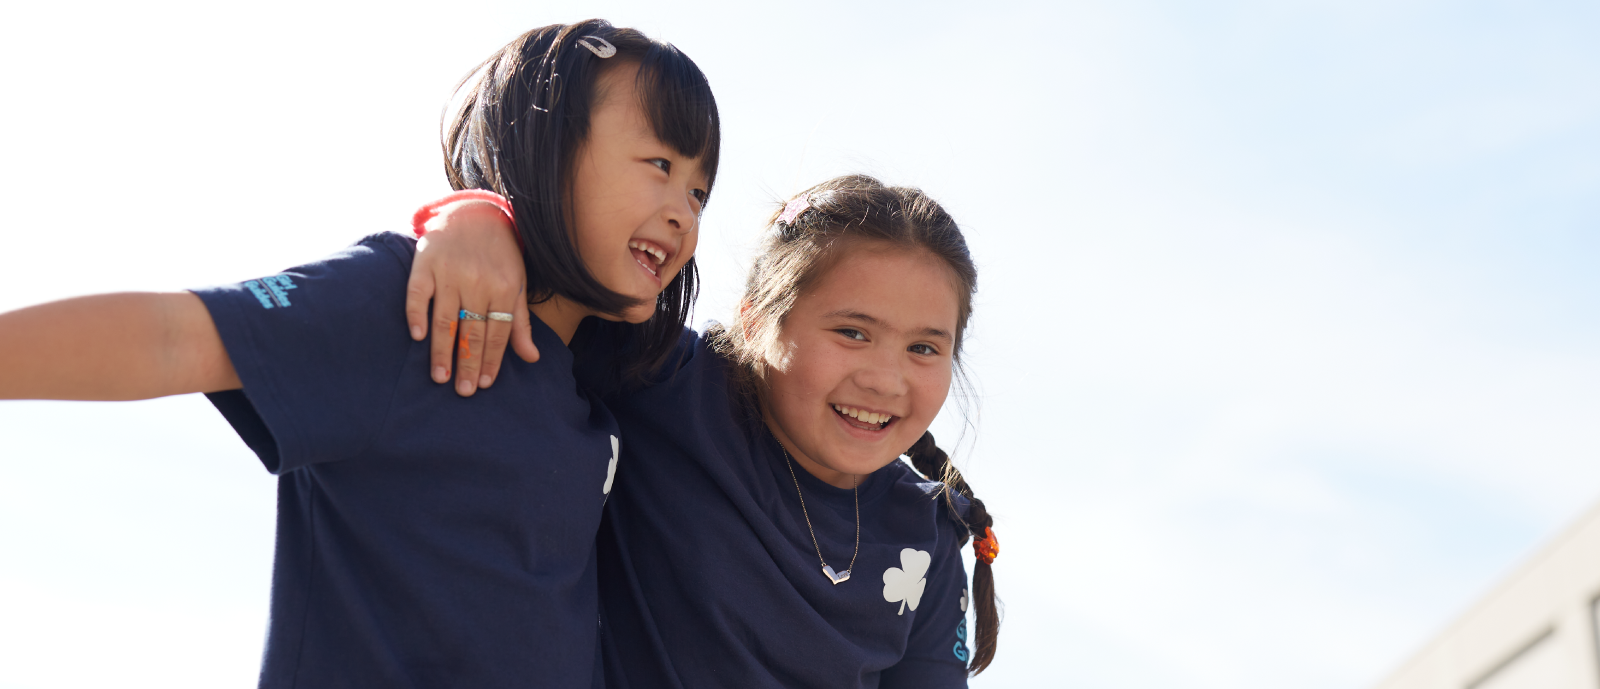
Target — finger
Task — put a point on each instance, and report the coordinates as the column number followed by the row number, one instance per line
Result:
column 446, row 302
column 419, row 291
column 502, row 301
column 496, row 334
column 469, row 355
column 522, row 334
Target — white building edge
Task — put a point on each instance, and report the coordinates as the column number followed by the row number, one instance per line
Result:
column 1536, row 630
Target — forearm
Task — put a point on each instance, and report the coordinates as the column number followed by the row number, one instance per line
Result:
column 126, row 346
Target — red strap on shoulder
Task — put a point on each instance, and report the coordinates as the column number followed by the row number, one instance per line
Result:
column 426, row 213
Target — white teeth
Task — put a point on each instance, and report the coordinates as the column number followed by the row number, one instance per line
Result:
column 861, row 415
column 659, row 255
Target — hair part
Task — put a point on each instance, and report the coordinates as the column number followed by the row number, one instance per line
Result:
column 841, row 214
column 518, row 132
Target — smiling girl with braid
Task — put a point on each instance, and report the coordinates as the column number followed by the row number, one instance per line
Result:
column 761, row 532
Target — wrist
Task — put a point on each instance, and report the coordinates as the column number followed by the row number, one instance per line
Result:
column 465, row 201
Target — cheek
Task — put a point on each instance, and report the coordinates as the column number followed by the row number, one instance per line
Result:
column 691, row 242
column 585, row 230
column 795, row 383
column 931, row 390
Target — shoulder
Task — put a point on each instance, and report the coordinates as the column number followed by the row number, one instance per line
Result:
column 362, row 285
column 376, row 263
column 600, row 346
column 319, row 349
column 384, row 251
column 402, row 247
column 910, row 490
column 908, row 481
column 694, row 351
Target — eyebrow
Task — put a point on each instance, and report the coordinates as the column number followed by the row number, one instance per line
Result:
column 848, row 314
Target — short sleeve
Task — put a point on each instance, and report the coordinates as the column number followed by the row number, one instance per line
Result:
column 319, row 349
column 936, row 653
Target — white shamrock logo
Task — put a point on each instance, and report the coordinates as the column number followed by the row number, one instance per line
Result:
column 905, row 583
column 611, row 471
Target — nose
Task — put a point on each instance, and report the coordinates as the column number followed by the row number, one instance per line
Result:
column 883, row 374
column 679, row 213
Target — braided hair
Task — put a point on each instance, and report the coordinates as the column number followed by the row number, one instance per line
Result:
column 808, row 238
column 932, row 462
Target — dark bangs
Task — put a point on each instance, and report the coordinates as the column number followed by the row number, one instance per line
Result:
column 677, row 99
column 518, row 131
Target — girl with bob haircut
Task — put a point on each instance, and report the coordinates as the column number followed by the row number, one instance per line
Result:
column 761, row 532
column 422, row 540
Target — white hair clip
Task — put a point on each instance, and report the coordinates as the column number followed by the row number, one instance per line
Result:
column 604, row 49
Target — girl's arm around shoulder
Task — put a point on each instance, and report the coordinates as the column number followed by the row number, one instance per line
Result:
column 125, row 346
column 468, row 258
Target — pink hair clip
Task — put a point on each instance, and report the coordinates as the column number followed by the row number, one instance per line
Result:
column 795, row 208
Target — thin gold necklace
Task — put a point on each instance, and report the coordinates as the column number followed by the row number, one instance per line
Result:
column 835, row 577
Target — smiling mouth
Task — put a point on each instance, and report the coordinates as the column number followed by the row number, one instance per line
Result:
column 648, row 255
column 863, row 419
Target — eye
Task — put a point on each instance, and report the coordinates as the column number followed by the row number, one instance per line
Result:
column 852, row 333
column 663, row 163
column 924, row 349
column 699, row 195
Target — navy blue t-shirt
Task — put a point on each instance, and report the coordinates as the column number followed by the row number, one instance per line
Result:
column 708, row 574
column 424, row 540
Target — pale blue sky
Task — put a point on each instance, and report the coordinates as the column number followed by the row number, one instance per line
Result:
column 1286, row 345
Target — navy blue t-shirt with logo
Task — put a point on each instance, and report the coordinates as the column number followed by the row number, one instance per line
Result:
column 424, row 540
column 708, row 573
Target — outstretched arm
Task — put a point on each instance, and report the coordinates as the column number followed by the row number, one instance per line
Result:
column 127, row 346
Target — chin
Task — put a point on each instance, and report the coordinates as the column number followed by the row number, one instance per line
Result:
column 634, row 315
column 639, row 315
column 864, row 463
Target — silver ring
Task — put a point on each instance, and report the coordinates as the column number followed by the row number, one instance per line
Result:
column 501, row 316
column 470, row 316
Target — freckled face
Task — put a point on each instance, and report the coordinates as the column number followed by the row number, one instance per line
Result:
column 867, row 361
column 635, row 200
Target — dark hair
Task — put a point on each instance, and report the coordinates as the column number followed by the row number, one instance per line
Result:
column 517, row 133
column 933, row 463
column 840, row 213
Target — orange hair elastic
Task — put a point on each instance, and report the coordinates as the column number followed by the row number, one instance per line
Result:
column 986, row 548
column 426, row 213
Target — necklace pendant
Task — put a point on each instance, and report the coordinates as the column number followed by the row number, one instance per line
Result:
column 837, row 579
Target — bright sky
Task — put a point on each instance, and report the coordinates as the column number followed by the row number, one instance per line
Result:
column 1286, row 344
